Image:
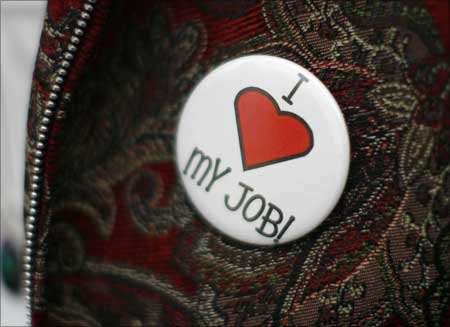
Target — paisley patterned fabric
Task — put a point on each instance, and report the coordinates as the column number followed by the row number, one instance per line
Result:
column 119, row 244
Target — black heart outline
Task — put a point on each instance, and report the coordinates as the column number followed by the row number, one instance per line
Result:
column 279, row 113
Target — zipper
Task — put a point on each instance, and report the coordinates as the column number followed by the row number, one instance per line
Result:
column 35, row 189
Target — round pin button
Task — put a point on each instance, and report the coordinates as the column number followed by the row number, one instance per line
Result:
column 262, row 150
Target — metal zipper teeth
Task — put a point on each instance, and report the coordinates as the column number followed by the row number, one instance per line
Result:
column 39, row 152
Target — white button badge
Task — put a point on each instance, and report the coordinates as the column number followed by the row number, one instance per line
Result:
column 262, row 149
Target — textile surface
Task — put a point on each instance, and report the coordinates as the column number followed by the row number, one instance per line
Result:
column 118, row 242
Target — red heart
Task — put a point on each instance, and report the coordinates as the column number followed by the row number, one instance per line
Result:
column 266, row 134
